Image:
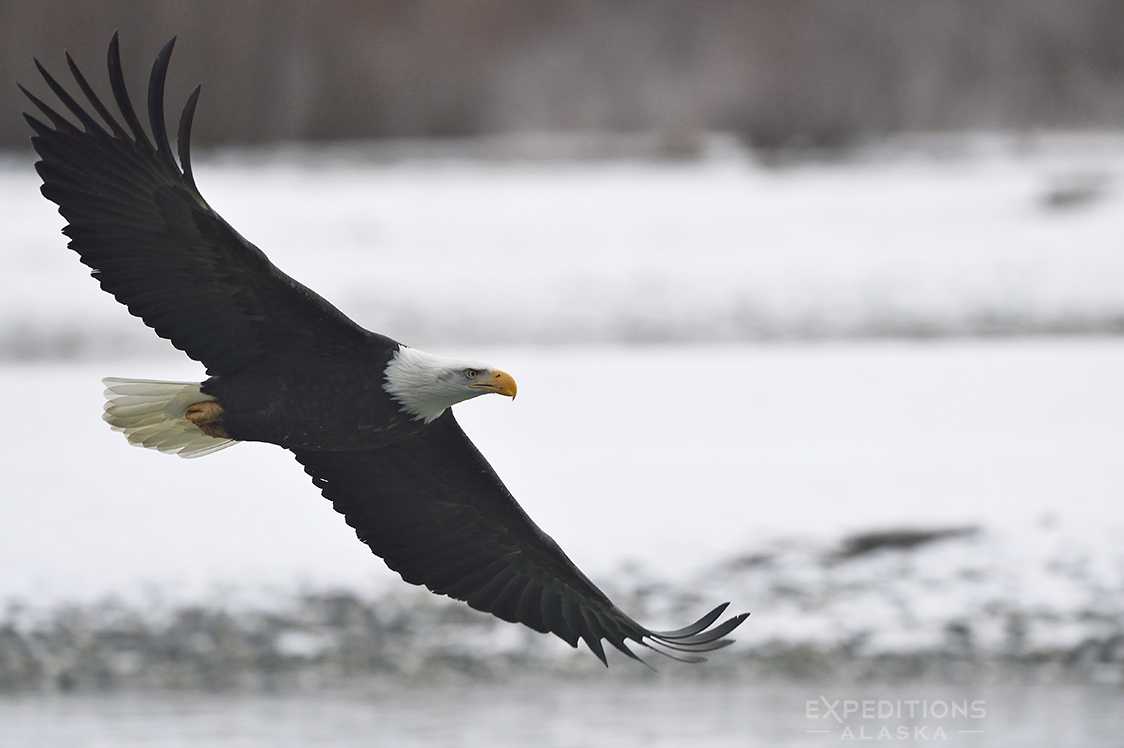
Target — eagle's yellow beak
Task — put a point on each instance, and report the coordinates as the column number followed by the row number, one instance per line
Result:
column 502, row 383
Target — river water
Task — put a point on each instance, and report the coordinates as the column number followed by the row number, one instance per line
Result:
column 578, row 714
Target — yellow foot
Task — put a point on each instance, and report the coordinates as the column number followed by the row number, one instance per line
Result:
column 206, row 416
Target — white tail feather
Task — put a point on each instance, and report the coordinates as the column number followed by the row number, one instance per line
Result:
column 153, row 414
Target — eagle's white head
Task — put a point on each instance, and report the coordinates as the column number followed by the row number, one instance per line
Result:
column 425, row 385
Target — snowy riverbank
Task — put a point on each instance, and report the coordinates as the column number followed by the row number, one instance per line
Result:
column 968, row 607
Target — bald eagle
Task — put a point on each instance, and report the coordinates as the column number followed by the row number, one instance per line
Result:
column 367, row 417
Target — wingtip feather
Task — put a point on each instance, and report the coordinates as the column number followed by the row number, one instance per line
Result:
column 156, row 83
column 183, row 145
column 121, row 93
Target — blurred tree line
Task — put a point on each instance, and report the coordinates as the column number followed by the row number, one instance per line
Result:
column 775, row 71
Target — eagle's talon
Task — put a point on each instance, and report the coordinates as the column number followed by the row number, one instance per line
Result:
column 206, row 415
column 202, row 413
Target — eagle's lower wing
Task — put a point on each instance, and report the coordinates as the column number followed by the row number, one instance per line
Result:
column 432, row 507
column 138, row 220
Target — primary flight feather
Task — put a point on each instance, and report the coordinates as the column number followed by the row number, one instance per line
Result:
column 367, row 417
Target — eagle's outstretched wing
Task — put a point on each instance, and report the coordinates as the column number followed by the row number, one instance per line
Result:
column 432, row 507
column 139, row 221
column 430, row 504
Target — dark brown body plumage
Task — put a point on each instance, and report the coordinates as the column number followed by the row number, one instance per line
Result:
column 318, row 400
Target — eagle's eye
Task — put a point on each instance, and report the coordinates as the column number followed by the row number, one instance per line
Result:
column 471, row 373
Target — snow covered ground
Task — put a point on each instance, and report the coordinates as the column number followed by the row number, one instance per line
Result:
column 732, row 460
column 674, row 457
column 939, row 236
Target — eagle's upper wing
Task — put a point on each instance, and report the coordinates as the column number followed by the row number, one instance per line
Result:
column 138, row 220
column 432, row 507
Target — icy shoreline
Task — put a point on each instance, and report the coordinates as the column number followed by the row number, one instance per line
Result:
column 963, row 606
